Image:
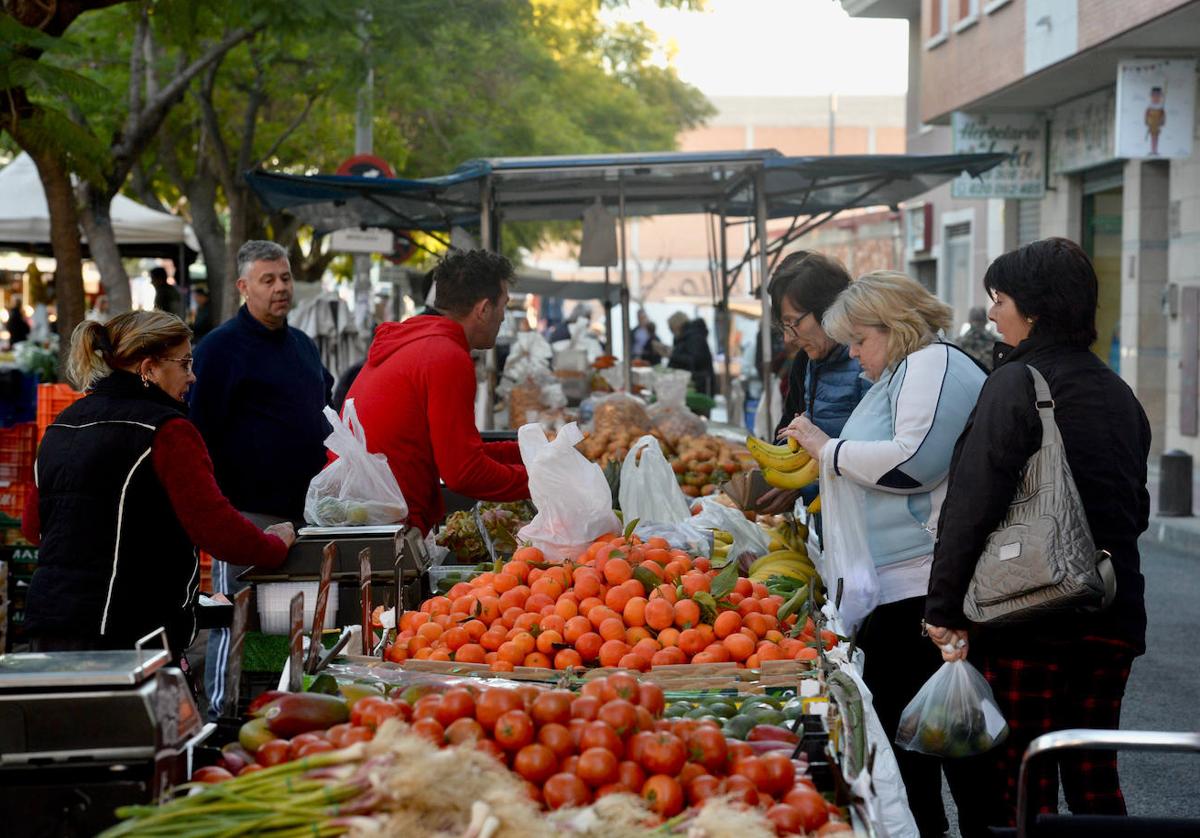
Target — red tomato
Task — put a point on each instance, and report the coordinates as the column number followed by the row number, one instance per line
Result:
column 664, row 795
column 612, row 788
column 787, row 820
column 702, row 788
column 250, row 768
column 600, row 735
column 636, row 747
column 464, row 730
column 689, row 772
column 337, row 734
column 575, row 727
column 740, row 790
column 621, row 685
column 536, row 763
column 375, row 715
column 301, row 740
column 570, row 764
column 706, row 746
column 357, row 734
column 651, row 697
column 566, row 790
column 620, row 715
column 557, row 738
column 456, row 704
column 810, row 804
column 493, row 703
column 273, row 753
column 364, row 705
column 489, row 746
column 317, row 747
column 778, row 773
column 752, row 768
column 645, row 719
column 211, row 774
column 431, row 729
column 631, row 775
column 585, row 707
column 738, row 749
column 406, row 711
column 427, row 707
column 552, row 707
column 664, row 753
column 514, row 730
column 598, row 767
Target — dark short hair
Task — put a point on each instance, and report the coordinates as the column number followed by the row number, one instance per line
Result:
column 1053, row 282
column 810, row 280
column 158, row 274
column 463, row 278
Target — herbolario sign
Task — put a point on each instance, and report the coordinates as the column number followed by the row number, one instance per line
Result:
column 1021, row 135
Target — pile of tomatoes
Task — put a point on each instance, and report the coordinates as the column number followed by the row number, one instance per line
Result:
column 624, row 603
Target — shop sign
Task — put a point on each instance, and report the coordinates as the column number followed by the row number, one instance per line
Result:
column 1081, row 132
column 1156, row 113
column 366, row 240
column 1021, row 135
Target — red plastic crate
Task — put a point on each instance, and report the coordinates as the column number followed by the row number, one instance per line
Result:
column 17, row 447
column 52, row 399
column 12, row 498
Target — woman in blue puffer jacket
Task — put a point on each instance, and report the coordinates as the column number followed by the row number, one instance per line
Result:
column 896, row 447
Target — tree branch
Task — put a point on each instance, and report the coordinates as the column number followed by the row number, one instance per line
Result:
column 287, row 132
column 137, row 73
column 212, row 127
column 254, row 103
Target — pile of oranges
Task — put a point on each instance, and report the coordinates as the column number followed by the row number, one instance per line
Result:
column 624, row 603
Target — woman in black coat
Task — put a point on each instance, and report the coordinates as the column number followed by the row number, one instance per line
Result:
column 1065, row 671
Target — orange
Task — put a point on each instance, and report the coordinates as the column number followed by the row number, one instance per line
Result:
column 455, row 638
column 749, row 605
column 510, row 616
column 761, row 591
column 659, row 614
column 691, row 641
column 670, row 656
column 412, row 620
column 759, row 623
column 634, row 612
column 474, row 628
column 668, row 637
column 617, row 598
column 659, row 555
column 658, row 542
column 769, row 652
column 694, row 582
column 646, row 648
column 470, row 653
column 727, row 623
column 739, row 646
column 674, row 570
column 750, row 633
column 575, row 628
column 489, row 609
column 552, row 622
column 806, row 653
column 774, row 635
column 653, row 567
column 547, row 586
column 526, row 621
column 505, row 582
column 459, row 590
column 612, row 629
column 612, row 651
column 634, row 587
column 635, row 633
column 528, row 554
column 588, row 645
column 665, row 591
column 492, row 640
column 517, row 568
column 632, row 661
column 587, row 583
column 430, row 631
column 703, row 564
column 502, row 666
column 534, row 575
column 599, row 614
column 566, row 608
column 537, row 602
column 547, row 642
column 525, row 640
column 687, row 613
column 588, row 603
column 567, row 659
column 743, row 586
column 707, row 631
column 828, row 639
column 511, row 652
column 537, row 659
column 751, row 662
column 514, row 598
column 617, row 571
column 490, row 658
column 437, row 605
column 719, row 651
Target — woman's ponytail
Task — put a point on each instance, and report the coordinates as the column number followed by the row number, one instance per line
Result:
column 91, row 355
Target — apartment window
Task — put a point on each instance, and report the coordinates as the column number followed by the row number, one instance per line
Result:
column 968, row 14
column 939, row 22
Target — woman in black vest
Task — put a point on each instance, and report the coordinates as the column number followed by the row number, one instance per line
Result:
column 125, row 493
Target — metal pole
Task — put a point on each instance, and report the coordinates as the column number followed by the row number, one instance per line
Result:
column 608, row 329
column 364, row 143
column 626, row 338
column 760, row 221
column 486, row 236
column 727, row 387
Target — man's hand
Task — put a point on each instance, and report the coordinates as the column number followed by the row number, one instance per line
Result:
column 811, row 438
column 952, row 642
column 777, row 501
column 285, row 532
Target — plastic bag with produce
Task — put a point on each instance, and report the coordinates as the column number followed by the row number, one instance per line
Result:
column 649, row 491
column 356, row 489
column 670, row 413
column 747, row 537
column 572, row 496
column 953, row 715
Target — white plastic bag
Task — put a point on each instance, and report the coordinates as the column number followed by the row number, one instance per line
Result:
column 573, row 500
column 953, row 715
column 649, row 490
column 747, row 537
column 356, row 489
column 846, row 554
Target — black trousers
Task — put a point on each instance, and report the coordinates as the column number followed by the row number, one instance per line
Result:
column 898, row 663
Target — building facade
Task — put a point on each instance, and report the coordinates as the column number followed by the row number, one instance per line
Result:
column 1098, row 99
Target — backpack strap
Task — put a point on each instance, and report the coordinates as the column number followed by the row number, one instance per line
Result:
column 1044, row 403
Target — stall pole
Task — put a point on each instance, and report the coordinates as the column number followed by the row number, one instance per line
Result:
column 486, row 236
column 626, row 338
column 608, row 329
column 760, row 222
column 725, row 326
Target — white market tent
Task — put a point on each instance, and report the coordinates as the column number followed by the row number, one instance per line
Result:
column 139, row 230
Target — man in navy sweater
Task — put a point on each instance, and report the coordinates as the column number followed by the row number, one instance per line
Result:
column 259, row 392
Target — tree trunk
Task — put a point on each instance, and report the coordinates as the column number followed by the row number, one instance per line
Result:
column 64, row 238
column 206, row 223
column 96, row 216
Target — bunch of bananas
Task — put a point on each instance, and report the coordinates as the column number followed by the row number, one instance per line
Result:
column 788, row 556
column 784, row 466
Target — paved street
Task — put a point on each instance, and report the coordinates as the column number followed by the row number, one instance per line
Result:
column 1163, row 691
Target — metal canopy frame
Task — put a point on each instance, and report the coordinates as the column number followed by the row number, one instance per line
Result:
column 733, row 187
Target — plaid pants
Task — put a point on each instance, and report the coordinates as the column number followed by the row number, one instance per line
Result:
column 1082, row 686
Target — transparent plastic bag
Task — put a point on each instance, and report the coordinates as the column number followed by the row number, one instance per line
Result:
column 356, row 489
column 669, row 413
column 953, row 715
column 572, row 496
column 747, row 537
column 649, row 490
column 620, row 412
column 845, row 553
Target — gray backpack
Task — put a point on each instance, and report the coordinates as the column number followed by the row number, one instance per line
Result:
column 1041, row 559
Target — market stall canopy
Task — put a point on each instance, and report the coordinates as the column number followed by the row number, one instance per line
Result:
column 25, row 218
column 663, row 183
column 609, row 294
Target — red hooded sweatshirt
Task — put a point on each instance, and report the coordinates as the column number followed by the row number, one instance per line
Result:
column 415, row 398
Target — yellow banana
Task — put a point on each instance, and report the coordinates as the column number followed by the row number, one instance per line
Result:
column 790, row 571
column 815, row 506
column 788, row 557
column 790, row 447
column 791, row 462
column 793, row 479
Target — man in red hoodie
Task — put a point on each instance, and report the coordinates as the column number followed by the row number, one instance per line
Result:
column 415, row 396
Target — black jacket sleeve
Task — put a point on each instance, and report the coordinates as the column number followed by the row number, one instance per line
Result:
column 989, row 457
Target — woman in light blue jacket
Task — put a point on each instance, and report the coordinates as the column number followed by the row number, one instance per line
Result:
column 897, row 446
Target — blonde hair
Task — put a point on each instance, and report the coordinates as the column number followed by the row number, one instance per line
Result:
column 891, row 301
column 99, row 348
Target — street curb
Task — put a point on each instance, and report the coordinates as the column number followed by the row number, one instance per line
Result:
column 1181, row 534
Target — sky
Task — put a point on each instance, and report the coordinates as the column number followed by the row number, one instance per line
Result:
column 780, row 48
